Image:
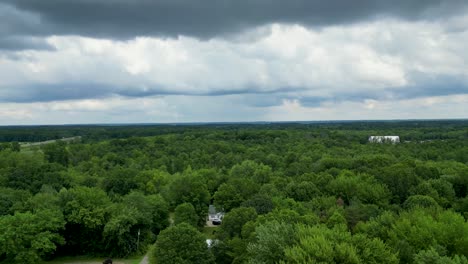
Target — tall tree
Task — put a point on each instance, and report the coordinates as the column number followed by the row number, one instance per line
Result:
column 181, row 244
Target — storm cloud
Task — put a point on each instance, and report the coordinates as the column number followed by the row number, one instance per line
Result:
column 122, row 19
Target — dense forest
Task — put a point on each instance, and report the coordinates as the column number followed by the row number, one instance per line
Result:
column 291, row 192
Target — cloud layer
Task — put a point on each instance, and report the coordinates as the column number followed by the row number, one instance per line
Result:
column 260, row 59
column 205, row 18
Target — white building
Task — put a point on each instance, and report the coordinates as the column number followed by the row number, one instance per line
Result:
column 384, row 139
column 215, row 215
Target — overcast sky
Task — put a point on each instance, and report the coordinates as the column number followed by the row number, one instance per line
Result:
column 144, row 61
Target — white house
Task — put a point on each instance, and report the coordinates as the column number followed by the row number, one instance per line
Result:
column 384, row 139
column 214, row 215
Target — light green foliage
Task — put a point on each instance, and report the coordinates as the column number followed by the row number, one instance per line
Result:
column 249, row 169
column 420, row 229
column 181, row 244
column 431, row 256
column 362, row 187
column 319, row 244
column 336, row 219
column 85, row 206
column 27, row 237
column 156, row 183
column 271, row 238
column 289, row 216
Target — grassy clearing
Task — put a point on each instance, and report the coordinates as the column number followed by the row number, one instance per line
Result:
column 92, row 260
column 210, row 232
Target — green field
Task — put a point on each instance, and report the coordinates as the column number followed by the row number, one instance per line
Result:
column 92, row 260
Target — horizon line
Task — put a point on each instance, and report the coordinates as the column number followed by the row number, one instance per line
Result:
column 240, row 122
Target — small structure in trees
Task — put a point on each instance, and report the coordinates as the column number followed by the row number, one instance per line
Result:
column 215, row 216
column 339, row 202
column 384, row 139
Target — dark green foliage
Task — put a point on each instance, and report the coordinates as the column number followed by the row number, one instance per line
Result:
column 13, row 146
column 30, row 173
column 261, row 202
column 235, row 220
column 227, row 197
column 185, row 213
column 134, row 222
column 120, row 181
column 399, row 178
column 185, row 188
column 416, row 201
column 86, row 211
column 302, row 191
column 11, row 200
column 181, row 244
column 56, row 153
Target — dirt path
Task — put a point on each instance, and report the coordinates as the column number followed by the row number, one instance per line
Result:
column 144, row 260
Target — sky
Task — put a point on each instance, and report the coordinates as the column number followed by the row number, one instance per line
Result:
column 167, row 61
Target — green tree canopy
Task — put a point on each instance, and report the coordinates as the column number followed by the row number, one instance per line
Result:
column 181, row 244
column 185, row 213
column 28, row 237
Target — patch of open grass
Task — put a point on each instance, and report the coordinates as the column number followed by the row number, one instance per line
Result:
column 92, row 260
column 210, row 232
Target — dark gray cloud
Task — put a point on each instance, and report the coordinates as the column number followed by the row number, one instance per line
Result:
column 433, row 85
column 53, row 92
column 30, row 93
column 13, row 43
column 424, row 86
column 19, row 30
column 201, row 18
